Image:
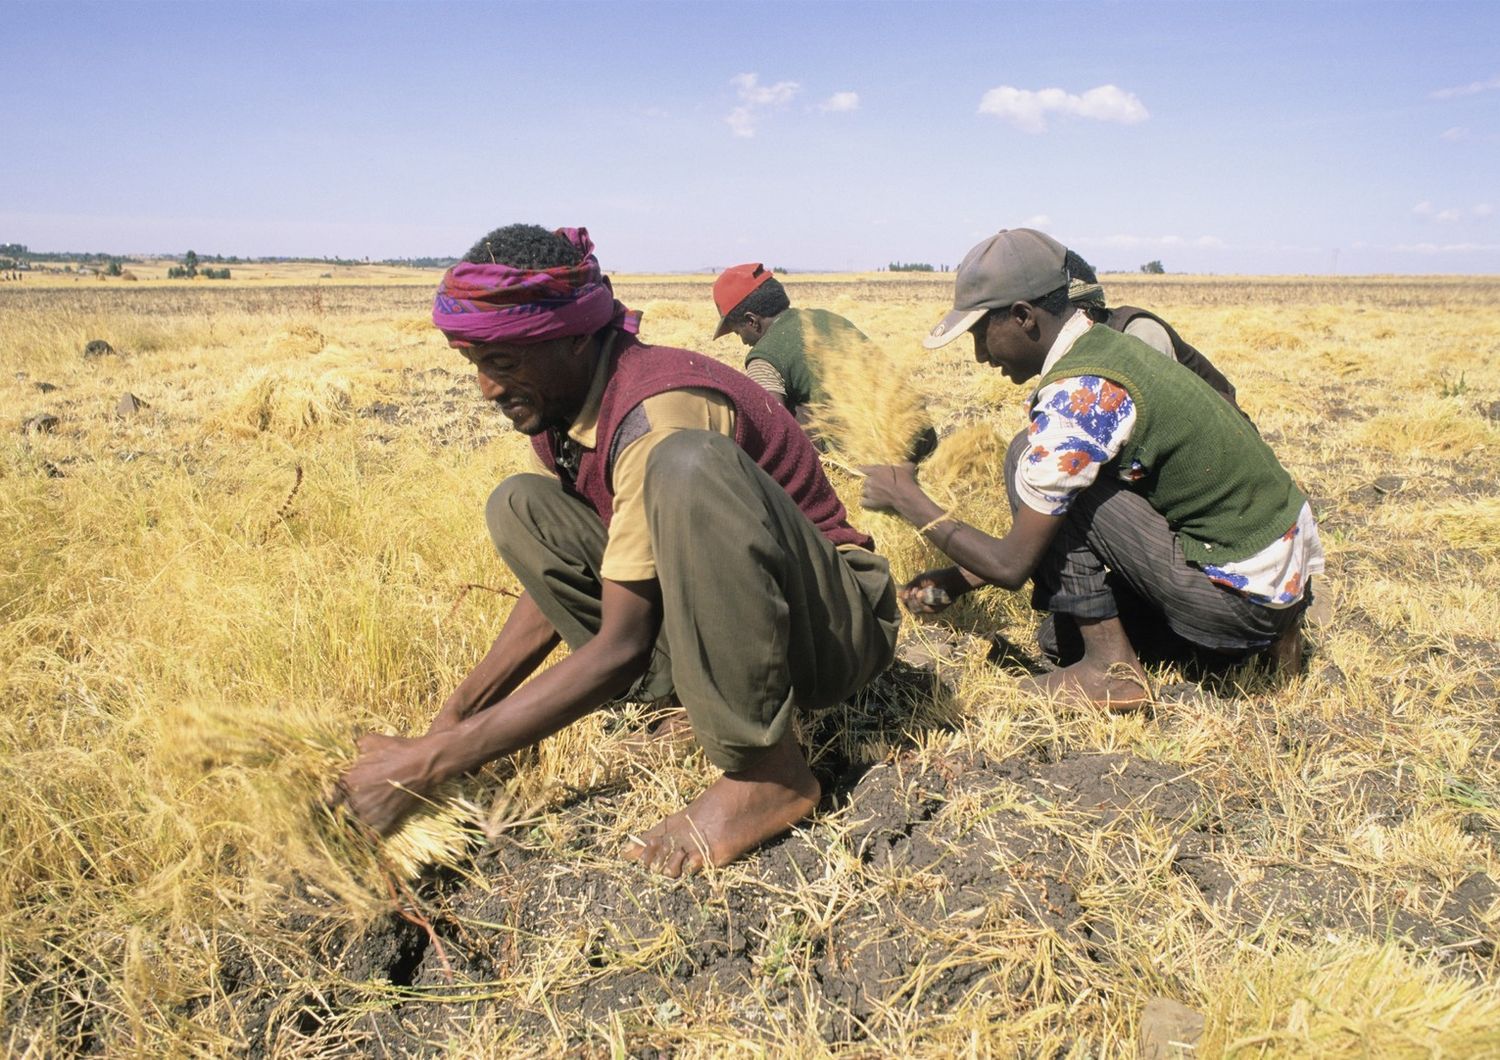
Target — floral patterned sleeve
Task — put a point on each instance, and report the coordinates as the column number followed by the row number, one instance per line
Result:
column 1077, row 425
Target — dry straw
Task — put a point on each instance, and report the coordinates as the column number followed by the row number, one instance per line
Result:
column 289, row 402
column 872, row 411
column 179, row 692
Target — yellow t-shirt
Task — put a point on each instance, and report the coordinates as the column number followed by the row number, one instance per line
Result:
column 627, row 552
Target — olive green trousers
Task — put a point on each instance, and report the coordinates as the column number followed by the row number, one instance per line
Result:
column 761, row 614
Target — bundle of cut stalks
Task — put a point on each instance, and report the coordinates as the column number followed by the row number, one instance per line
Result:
column 299, row 340
column 871, row 412
column 289, row 403
column 278, row 764
column 966, row 475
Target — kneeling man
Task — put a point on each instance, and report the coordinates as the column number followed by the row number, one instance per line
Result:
column 1137, row 489
column 685, row 543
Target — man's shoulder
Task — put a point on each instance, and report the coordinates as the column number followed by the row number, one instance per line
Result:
column 1103, row 340
column 826, row 321
column 794, row 330
column 1101, row 351
column 660, row 368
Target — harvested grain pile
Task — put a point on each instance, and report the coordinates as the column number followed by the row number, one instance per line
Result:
column 289, row 402
column 299, row 340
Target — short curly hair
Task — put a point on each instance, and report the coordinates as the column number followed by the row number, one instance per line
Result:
column 766, row 300
column 524, row 247
column 1078, row 268
column 1054, row 302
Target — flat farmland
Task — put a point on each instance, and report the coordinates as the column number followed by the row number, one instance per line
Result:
column 250, row 526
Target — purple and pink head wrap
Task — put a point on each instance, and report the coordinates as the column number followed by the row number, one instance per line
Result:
column 490, row 302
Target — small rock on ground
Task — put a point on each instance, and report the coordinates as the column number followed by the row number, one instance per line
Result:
column 1169, row 1029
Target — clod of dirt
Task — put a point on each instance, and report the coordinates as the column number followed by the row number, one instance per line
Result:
column 1169, row 1029
column 46, row 388
column 129, row 405
column 98, row 348
column 384, row 411
column 42, row 423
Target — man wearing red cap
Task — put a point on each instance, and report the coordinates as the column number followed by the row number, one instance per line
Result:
column 655, row 457
column 1138, row 491
column 753, row 304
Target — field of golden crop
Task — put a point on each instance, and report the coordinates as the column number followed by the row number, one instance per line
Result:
column 204, row 597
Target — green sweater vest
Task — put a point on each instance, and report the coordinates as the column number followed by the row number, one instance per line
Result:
column 796, row 333
column 1213, row 479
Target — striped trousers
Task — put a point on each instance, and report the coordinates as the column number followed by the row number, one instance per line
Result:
column 1115, row 556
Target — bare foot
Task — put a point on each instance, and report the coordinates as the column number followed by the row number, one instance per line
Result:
column 737, row 813
column 1119, row 686
column 1109, row 674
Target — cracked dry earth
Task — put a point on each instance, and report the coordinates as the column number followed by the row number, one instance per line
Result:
column 928, row 885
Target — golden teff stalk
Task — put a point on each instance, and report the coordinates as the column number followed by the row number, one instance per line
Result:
column 871, row 411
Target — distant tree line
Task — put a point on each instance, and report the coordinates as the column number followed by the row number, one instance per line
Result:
column 20, row 256
column 909, row 266
column 189, row 268
column 421, row 263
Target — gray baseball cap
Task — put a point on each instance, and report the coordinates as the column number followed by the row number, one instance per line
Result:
column 1013, row 265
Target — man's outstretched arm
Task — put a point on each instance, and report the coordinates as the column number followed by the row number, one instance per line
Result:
column 392, row 774
column 523, row 642
column 1004, row 561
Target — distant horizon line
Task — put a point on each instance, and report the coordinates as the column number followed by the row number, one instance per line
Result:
column 70, row 258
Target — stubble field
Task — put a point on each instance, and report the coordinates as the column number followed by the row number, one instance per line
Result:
column 205, row 594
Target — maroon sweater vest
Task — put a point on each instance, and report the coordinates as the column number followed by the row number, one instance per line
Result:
column 763, row 428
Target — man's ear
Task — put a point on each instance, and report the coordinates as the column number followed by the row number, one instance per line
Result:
column 581, row 346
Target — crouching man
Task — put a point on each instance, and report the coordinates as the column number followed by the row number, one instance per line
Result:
column 686, row 545
column 1137, row 492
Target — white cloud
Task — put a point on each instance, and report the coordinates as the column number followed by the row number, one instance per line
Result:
column 753, row 92
column 1040, row 220
column 1445, row 248
column 1455, row 134
column 1473, row 88
column 755, row 99
column 1029, row 110
column 1448, row 215
column 840, row 103
column 741, row 122
column 1128, row 241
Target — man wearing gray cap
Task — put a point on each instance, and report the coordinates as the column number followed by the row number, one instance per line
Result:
column 1136, row 491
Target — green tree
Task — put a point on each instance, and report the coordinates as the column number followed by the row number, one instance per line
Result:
column 1153, row 267
column 190, row 264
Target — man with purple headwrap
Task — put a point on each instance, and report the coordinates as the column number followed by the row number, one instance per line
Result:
column 685, row 543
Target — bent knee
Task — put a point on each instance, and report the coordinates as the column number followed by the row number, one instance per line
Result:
column 683, row 456
column 509, row 504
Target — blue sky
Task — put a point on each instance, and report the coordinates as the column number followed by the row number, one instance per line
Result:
column 1216, row 137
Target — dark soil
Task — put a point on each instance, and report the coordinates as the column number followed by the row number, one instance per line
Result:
column 982, row 849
